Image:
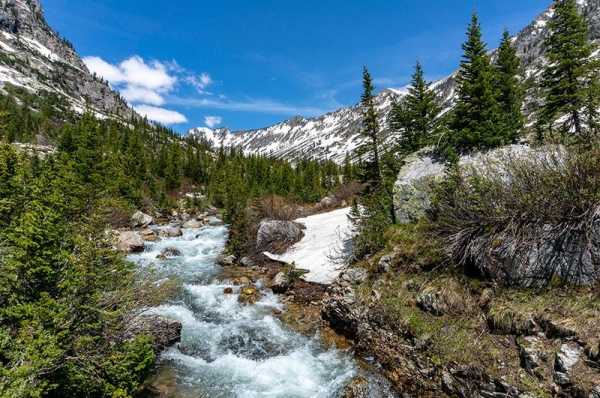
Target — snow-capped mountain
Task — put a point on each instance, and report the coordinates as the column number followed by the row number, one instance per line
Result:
column 336, row 134
column 36, row 58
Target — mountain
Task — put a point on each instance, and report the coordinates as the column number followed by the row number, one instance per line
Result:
column 336, row 134
column 34, row 57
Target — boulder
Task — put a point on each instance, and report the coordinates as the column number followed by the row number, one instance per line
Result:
column 141, row 220
column 249, row 295
column 130, row 242
column 171, row 231
column 226, row 261
column 327, row 201
column 413, row 187
column 241, row 281
column 149, row 235
column 281, row 283
column 564, row 362
column 193, row 224
column 273, row 234
column 165, row 332
column 169, row 252
column 247, row 262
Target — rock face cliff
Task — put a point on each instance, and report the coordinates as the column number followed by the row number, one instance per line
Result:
column 336, row 134
column 34, row 57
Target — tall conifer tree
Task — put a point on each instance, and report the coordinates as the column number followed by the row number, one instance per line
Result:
column 416, row 115
column 371, row 132
column 510, row 91
column 564, row 81
column 476, row 119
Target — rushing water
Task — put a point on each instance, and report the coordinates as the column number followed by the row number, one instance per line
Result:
column 230, row 350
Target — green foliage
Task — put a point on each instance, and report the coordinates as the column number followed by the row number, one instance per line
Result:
column 565, row 78
column 477, row 119
column 510, row 91
column 416, row 115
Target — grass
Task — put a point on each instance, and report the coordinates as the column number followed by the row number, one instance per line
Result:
column 464, row 337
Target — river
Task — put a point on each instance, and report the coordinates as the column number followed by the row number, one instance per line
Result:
column 231, row 350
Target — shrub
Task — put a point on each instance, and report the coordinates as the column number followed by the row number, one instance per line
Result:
column 525, row 221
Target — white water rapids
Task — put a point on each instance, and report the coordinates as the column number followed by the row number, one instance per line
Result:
column 230, row 350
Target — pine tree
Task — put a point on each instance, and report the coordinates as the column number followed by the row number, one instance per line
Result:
column 370, row 131
column 416, row 115
column 476, row 118
column 564, row 80
column 510, row 91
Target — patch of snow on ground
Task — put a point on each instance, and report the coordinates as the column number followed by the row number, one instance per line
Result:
column 326, row 237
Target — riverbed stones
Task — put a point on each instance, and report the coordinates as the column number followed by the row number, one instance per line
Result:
column 249, row 295
column 193, row 224
column 241, row 281
column 149, row 235
column 228, row 290
column 141, row 220
column 171, row 231
column 247, row 262
column 281, row 282
column 225, row 260
column 130, row 242
column 169, row 252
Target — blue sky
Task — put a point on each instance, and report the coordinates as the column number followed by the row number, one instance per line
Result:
column 252, row 63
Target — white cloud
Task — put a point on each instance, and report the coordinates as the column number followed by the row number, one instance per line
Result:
column 141, row 95
column 152, row 76
column 160, row 115
column 213, row 121
column 200, row 82
column 102, row 68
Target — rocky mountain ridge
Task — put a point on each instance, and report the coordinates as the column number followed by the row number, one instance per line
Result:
column 336, row 134
column 36, row 58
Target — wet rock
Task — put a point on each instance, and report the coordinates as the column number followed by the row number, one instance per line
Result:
column 130, row 242
column 214, row 221
column 226, row 261
column 281, row 283
column 228, row 290
column 247, row 262
column 149, row 235
column 368, row 386
column 165, row 332
column 193, row 224
column 241, row 281
column 169, row 252
column 566, row 359
column 273, row 234
column 171, row 231
column 249, row 295
column 141, row 220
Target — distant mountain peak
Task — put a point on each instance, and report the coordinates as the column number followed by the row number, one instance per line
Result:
column 34, row 57
column 336, row 134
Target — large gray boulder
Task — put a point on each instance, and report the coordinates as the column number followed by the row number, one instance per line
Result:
column 275, row 233
column 141, row 220
column 165, row 332
column 130, row 242
column 413, row 187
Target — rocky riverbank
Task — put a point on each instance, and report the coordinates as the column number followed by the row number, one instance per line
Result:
column 444, row 335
